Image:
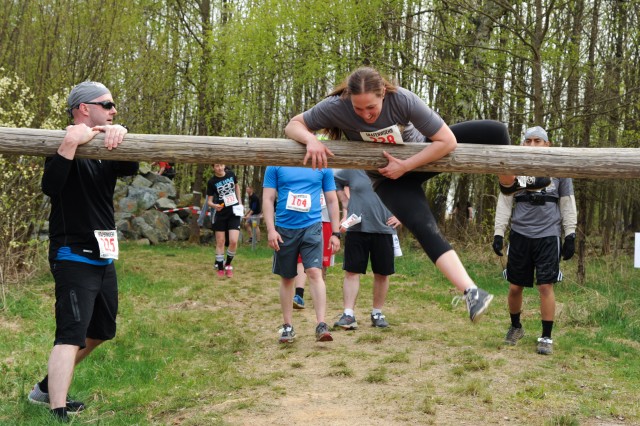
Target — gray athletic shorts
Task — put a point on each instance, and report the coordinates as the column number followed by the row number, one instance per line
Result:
column 306, row 242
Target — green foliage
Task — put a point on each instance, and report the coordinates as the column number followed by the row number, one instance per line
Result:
column 22, row 206
column 15, row 99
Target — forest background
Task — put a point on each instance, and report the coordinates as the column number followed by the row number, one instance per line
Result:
column 244, row 68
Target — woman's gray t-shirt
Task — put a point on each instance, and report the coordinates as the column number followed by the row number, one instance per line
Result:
column 415, row 120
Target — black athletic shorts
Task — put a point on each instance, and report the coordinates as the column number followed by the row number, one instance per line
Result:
column 358, row 246
column 226, row 221
column 528, row 255
column 86, row 302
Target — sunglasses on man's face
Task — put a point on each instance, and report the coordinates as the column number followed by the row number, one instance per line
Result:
column 104, row 104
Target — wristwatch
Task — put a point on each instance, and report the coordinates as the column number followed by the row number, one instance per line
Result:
column 336, row 234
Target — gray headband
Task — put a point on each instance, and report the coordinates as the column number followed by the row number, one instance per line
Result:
column 536, row 132
column 85, row 92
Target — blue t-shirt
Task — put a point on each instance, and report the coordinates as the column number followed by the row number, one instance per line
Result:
column 300, row 181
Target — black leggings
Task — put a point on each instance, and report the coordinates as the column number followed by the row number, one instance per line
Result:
column 406, row 199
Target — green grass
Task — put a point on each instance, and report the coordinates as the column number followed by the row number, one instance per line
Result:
column 194, row 349
column 377, row 375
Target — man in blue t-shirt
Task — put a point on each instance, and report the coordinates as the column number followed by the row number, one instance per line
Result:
column 295, row 228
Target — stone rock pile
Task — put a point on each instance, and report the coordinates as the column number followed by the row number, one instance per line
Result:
column 140, row 202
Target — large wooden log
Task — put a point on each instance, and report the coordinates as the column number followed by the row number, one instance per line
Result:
column 622, row 163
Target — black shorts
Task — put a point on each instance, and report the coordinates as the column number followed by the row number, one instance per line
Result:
column 528, row 255
column 226, row 221
column 86, row 302
column 359, row 246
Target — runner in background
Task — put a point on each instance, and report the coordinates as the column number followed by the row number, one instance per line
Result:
column 253, row 215
column 537, row 223
column 223, row 195
column 165, row 169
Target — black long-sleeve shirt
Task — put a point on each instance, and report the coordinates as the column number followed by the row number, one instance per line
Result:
column 81, row 192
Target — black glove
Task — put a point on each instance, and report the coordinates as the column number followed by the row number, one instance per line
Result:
column 533, row 184
column 497, row 244
column 569, row 246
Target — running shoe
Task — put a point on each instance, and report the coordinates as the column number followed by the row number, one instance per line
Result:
column 346, row 322
column 513, row 335
column 287, row 334
column 478, row 301
column 36, row 396
column 378, row 320
column 545, row 346
column 322, row 333
column 298, row 302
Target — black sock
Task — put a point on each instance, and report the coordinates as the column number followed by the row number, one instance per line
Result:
column 220, row 265
column 515, row 320
column 44, row 384
column 546, row 328
column 230, row 255
column 300, row 292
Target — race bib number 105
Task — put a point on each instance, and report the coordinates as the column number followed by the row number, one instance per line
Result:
column 108, row 244
column 299, row 202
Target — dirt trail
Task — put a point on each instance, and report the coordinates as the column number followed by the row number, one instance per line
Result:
column 432, row 366
column 401, row 375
